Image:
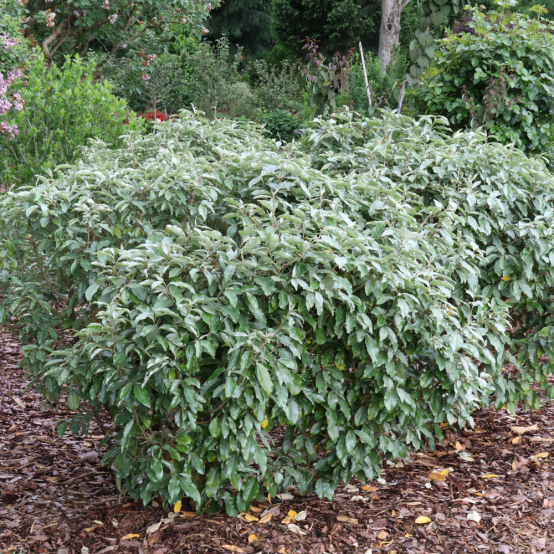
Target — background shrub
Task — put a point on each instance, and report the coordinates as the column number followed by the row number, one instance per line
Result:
column 496, row 71
column 63, row 108
column 151, row 77
column 281, row 125
column 279, row 86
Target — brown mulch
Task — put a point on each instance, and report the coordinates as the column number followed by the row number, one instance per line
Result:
column 55, row 498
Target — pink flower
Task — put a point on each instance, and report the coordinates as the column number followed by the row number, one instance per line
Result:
column 5, row 105
column 7, row 41
column 183, row 20
column 106, row 5
column 10, row 130
column 18, row 101
column 112, row 18
column 145, row 76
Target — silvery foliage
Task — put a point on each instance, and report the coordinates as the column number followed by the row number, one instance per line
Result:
column 204, row 285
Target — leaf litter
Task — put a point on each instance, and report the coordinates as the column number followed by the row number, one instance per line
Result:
column 56, row 498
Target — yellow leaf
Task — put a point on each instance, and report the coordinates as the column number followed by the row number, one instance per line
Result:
column 516, row 440
column 266, row 518
column 506, row 278
column 340, row 366
column 540, row 455
column 368, row 488
column 129, row 536
column 264, row 423
column 407, row 535
column 443, row 425
column 287, row 520
column 177, row 507
column 252, row 538
column 189, row 514
column 458, row 446
column 255, row 509
column 436, row 477
column 248, row 517
column 292, row 514
column 444, row 472
column 490, row 476
column 309, row 341
column 422, row 519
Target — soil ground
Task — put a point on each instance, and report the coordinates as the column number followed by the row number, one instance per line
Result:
column 495, row 494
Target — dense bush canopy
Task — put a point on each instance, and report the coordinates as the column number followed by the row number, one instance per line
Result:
column 204, row 285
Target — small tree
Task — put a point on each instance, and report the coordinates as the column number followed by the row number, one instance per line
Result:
column 149, row 77
column 72, row 27
column 212, row 72
column 325, row 80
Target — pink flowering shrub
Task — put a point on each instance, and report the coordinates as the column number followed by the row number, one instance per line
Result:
column 10, row 74
column 8, row 101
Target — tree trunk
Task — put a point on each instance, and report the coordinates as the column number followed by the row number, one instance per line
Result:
column 389, row 34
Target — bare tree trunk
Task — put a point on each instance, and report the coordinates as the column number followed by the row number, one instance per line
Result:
column 389, row 34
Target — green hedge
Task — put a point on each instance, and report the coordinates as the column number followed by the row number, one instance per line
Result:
column 204, row 284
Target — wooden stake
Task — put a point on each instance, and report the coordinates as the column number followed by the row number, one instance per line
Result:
column 401, row 97
column 365, row 75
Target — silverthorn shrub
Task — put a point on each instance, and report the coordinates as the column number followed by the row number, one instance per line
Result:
column 204, row 285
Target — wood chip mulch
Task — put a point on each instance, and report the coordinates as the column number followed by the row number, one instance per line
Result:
column 495, row 494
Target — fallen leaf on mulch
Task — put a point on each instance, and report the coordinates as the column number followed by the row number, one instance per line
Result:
column 474, row 516
column 129, row 537
column 266, row 518
column 153, row 528
column 232, row 548
column 422, row 520
column 301, row 516
column 522, row 430
column 539, row 455
column 368, row 488
column 345, row 519
column 296, row 530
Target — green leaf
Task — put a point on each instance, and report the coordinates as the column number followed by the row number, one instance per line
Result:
column 215, row 428
column 264, row 378
column 142, row 395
